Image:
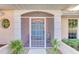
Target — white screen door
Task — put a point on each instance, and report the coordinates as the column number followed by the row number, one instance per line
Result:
column 37, row 32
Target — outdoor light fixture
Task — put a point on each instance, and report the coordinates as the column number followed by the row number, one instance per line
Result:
column 76, row 8
column 1, row 13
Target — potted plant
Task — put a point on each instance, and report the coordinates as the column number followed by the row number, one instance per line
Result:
column 55, row 45
column 16, row 47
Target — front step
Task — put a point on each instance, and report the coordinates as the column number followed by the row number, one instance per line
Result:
column 37, row 51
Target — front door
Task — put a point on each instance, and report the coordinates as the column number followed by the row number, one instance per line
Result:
column 37, row 32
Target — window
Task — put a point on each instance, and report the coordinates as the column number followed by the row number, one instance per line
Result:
column 72, row 28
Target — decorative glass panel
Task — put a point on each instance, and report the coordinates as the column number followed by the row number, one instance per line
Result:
column 72, row 24
column 37, row 31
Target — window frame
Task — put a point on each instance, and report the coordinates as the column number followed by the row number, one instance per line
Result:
column 76, row 28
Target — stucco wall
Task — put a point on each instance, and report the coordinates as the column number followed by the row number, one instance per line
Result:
column 15, row 24
column 50, row 27
column 25, row 26
column 64, row 28
column 6, row 35
column 57, row 21
column 25, row 31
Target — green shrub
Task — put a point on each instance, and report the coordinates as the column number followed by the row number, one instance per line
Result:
column 17, row 47
column 55, row 45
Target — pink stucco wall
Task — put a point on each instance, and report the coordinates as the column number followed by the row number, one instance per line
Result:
column 64, row 28
column 25, row 25
column 50, row 27
column 6, row 35
column 25, row 30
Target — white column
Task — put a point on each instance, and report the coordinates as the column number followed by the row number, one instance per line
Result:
column 30, row 32
column 45, row 32
column 78, row 30
column 17, row 26
column 57, row 26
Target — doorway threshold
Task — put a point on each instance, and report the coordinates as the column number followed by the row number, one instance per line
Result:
column 37, row 51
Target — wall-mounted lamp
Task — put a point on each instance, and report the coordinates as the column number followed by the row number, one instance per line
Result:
column 1, row 13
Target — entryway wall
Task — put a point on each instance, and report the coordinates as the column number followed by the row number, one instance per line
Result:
column 7, row 34
column 25, row 26
column 57, row 22
column 25, row 31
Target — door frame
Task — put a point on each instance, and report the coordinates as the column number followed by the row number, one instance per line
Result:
column 30, row 19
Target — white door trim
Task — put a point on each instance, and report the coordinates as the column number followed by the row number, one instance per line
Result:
column 45, row 31
column 30, row 19
column 29, row 32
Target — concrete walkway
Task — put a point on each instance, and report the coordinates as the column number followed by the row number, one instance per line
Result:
column 37, row 51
